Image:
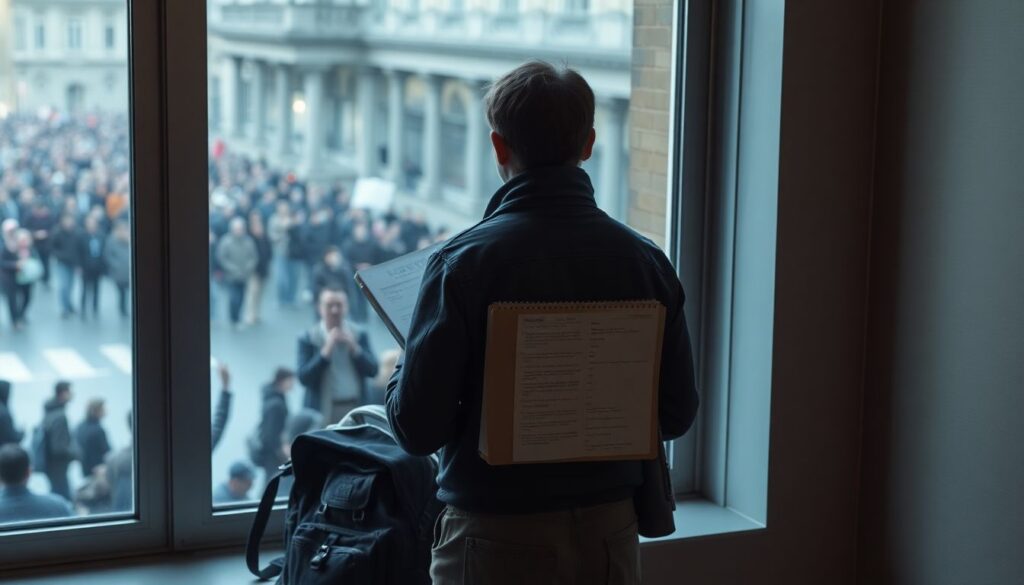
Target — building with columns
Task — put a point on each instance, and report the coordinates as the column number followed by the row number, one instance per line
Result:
column 70, row 55
column 392, row 88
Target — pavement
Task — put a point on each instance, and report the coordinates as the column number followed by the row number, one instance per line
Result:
column 96, row 357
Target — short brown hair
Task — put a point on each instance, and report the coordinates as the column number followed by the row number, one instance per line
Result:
column 545, row 114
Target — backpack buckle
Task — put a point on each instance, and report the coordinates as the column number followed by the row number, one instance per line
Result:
column 317, row 562
column 358, row 515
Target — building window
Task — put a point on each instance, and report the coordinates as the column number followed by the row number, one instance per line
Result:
column 108, row 36
column 40, row 34
column 74, row 33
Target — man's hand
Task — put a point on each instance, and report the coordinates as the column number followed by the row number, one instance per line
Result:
column 349, row 340
column 225, row 376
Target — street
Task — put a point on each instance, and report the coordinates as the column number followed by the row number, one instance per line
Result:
column 95, row 356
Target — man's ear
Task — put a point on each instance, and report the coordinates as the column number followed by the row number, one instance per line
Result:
column 588, row 146
column 501, row 152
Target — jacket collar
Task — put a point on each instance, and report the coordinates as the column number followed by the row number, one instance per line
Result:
column 566, row 185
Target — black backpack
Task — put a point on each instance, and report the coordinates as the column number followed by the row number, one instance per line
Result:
column 361, row 509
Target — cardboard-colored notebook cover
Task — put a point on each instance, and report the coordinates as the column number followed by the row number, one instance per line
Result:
column 571, row 382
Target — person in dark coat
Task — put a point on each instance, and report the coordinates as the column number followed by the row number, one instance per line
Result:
column 91, row 438
column 40, row 223
column 8, row 432
column 297, row 239
column 223, row 409
column 92, row 263
column 60, row 448
column 335, row 359
column 332, row 272
column 17, row 503
column 64, row 246
column 270, row 436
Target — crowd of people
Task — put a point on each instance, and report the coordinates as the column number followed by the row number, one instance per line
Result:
column 65, row 219
column 64, row 210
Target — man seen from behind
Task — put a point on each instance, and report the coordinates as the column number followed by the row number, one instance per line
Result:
column 542, row 239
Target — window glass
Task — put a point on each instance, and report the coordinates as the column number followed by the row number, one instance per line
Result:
column 66, row 349
column 331, row 150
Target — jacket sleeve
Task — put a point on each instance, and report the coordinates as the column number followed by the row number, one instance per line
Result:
column 423, row 394
column 220, row 418
column 365, row 361
column 677, row 394
column 311, row 366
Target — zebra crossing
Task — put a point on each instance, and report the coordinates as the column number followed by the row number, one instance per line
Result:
column 66, row 363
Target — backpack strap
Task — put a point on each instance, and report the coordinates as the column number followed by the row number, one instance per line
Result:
column 259, row 526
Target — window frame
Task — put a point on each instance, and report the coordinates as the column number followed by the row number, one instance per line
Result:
column 146, row 531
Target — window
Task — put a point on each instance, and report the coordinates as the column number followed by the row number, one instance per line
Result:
column 290, row 194
column 74, row 33
column 40, row 33
column 109, row 39
column 19, row 33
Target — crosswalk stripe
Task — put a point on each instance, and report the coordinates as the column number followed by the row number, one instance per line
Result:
column 69, row 363
column 120, row 354
column 13, row 369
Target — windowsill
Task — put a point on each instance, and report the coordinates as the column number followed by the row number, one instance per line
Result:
column 699, row 517
column 694, row 518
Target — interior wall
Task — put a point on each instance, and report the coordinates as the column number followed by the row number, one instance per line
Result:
column 943, row 468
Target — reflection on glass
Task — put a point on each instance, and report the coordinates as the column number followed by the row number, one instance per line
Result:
column 362, row 141
column 65, row 261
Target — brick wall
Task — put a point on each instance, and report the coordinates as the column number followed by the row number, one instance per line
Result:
column 649, row 117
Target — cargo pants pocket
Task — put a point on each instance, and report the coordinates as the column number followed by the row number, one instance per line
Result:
column 623, row 551
column 488, row 562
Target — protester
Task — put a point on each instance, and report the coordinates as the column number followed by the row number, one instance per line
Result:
column 335, row 359
column 332, row 272
column 64, row 245
column 58, row 448
column 17, row 503
column 237, row 257
column 9, row 433
column 117, row 257
column 268, row 451
column 92, row 265
column 236, row 488
column 258, row 279
column 120, row 471
column 91, row 438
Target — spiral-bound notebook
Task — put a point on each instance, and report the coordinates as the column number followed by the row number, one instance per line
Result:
column 571, row 382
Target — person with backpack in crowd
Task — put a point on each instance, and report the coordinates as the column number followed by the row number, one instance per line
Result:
column 64, row 247
column 117, row 256
column 554, row 522
column 91, row 437
column 9, row 433
column 335, row 359
column 267, row 450
column 236, row 488
column 54, row 445
column 91, row 263
column 17, row 502
column 237, row 257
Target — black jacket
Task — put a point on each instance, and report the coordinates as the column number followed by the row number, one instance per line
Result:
column 271, row 429
column 92, row 444
column 8, row 432
column 90, row 253
column 60, row 448
column 64, row 245
column 312, row 366
column 542, row 239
